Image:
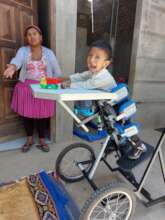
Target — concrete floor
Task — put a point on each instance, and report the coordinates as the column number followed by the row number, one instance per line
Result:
column 15, row 164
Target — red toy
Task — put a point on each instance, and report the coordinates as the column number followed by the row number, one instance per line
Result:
column 53, row 80
column 50, row 83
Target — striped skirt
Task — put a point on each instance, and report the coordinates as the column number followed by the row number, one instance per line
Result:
column 26, row 105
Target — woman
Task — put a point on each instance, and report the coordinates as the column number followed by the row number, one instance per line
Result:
column 34, row 62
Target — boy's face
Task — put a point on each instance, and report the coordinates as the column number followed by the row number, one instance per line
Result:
column 97, row 60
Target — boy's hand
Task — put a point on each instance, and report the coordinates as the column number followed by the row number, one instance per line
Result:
column 66, row 84
column 63, row 79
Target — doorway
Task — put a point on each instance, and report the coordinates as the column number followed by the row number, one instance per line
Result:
column 14, row 17
column 126, row 13
column 113, row 21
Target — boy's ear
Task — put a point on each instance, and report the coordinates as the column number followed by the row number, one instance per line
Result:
column 107, row 63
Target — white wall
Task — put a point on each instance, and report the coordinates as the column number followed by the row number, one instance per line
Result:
column 81, row 49
column 66, row 26
column 148, row 62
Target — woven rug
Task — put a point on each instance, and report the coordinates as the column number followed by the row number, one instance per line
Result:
column 37, row 197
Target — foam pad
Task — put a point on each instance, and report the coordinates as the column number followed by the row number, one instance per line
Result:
column 90, row 136
column 127, row 164
column 160, row 129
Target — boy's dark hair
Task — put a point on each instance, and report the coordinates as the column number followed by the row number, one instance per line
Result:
column 104, row 46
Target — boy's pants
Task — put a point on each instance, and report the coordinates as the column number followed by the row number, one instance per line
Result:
column 84, row 104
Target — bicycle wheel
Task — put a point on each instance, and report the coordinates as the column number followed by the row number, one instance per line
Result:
column 68, row 160
column 111, row 202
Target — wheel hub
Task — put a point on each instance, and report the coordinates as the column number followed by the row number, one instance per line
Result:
column 113, row 216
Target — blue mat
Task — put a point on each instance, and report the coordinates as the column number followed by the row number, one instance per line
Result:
column 89, row 136
column 98, row 135
column 66, row 208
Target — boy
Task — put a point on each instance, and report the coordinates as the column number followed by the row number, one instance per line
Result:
column 98, row 77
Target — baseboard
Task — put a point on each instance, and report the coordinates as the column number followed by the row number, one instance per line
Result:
column 16, row 144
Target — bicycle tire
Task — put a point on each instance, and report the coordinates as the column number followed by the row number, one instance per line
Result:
column 61, row 163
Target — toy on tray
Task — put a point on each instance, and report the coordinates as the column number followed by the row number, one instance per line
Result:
column 50, row 83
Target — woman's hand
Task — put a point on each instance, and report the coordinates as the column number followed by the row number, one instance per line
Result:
column 10, row 70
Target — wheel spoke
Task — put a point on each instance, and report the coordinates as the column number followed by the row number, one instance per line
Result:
column 117, row 207
column 123, row 203
column 68, row 160
column 99, row 213
column 122, row 212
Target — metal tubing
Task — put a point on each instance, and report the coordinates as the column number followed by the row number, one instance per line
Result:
column 98, row 158
column 162, row 165
column 159, row 144
column 155, row 201
column 92, row 184
column 73, row 115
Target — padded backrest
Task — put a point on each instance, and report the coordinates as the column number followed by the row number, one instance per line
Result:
column 121, row 91
column 126, row 107
column 127, row 130
column 126, row 110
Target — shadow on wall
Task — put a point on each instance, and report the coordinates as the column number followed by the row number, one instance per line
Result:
column 81, row 50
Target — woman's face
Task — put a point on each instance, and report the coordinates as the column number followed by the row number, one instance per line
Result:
column 33, row 37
